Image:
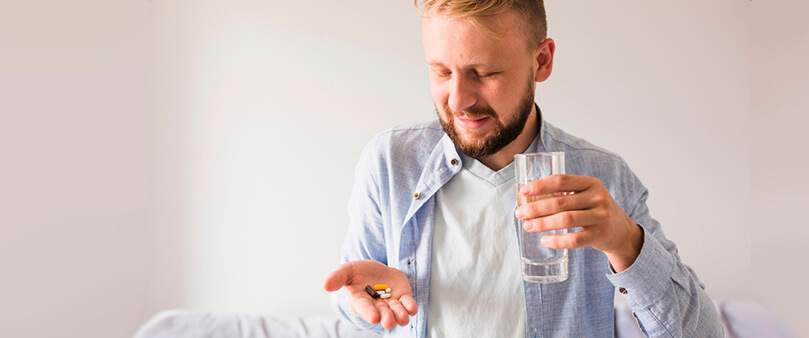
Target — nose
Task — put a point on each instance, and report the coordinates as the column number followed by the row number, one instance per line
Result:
column 461, row 94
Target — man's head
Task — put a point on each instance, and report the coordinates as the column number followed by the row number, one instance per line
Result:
column 485, row 58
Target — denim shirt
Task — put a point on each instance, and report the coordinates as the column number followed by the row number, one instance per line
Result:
column 391, row 221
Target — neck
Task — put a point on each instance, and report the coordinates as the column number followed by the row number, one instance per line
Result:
column 505, row 156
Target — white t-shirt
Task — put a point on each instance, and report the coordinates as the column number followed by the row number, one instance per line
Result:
column 475, row 280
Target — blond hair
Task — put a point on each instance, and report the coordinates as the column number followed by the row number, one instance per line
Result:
column 532, row 11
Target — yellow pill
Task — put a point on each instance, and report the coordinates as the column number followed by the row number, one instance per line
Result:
column 380, row 287
column 387, row 290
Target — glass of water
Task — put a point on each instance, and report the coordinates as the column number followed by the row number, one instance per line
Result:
column 539, row 264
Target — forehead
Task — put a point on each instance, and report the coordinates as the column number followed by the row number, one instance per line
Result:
column 470, row 41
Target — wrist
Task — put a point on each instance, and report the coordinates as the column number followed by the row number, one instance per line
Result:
column 629, row 250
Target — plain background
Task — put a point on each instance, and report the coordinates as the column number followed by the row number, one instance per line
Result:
column 199, row 154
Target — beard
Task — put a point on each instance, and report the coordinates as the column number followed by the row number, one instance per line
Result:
column 499, row 137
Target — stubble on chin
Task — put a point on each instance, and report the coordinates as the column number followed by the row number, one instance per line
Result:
column 480, row 144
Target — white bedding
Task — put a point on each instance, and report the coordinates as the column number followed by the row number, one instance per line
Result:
column 740, row 320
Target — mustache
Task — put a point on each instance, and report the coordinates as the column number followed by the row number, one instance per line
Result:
column 474, row 112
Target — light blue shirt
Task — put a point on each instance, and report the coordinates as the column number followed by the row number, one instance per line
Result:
column 391, row 213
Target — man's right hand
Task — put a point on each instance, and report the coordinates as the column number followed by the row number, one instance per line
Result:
column 354, row 276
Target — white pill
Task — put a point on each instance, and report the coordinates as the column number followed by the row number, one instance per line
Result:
column 380, row 292
column 385, row 296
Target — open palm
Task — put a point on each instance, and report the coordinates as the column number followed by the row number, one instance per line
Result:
column 354, row 276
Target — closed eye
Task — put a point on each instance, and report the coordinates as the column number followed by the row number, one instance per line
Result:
column 439, row 73
column 484, row 75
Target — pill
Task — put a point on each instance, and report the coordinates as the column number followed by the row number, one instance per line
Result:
column 380, row 286
column 380, row 292
column 387, row 290
column 385, row 296
column 371, row 291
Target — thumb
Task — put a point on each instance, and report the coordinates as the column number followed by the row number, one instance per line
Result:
column 337, row 278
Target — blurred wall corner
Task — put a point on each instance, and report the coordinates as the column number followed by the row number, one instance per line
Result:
column 76, row 173
column 780, row 181
column 168, row 76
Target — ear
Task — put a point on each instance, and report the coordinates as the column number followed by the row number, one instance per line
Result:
column 544, row 59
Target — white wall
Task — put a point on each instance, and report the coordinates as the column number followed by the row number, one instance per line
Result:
column 74, row 168
column 272, row 104
column 778, row 141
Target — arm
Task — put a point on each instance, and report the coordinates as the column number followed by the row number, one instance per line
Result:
column 665, row 295
column 364, row 257
column 365, row 237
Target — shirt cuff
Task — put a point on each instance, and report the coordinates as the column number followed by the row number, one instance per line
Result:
column 647, row 279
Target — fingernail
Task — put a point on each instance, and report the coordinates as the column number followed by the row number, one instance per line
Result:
column 528, row 226
column 526, row 189
column 518, row 213
column 545, row 240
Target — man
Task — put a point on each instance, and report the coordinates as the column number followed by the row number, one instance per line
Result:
column 431, row 210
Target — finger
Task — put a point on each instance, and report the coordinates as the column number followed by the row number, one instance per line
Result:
column 402, row 317
column 337, row 278
column 557, row 183
column 410, row 304
column 387, row 318
column 562, row 220
column 365, row 308
column 571, row 240
column 552, row 205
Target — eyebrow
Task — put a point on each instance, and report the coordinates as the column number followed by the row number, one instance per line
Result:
column 474, row 65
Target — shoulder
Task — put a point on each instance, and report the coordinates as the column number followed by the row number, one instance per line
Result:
column 401, row 152
column 580, row 150
column 406, row 141
column 584, row 158
column 417, row 134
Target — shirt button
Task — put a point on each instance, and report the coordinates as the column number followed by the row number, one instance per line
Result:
column 623, row 291
column 416, row 195
column 453, row 162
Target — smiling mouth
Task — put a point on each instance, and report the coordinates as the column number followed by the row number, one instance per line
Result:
column 471, row 122
column 469, row 118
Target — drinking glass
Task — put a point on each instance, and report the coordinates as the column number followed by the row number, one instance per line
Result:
column 539, row 263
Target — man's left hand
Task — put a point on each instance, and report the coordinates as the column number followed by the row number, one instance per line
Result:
column 604, row 226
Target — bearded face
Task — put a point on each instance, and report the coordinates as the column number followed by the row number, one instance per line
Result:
column 479, row 144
